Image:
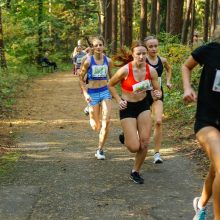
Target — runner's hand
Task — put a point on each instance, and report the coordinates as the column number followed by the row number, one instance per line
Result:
column 169, row 85
column 189, row 95
column 88, row 98
column 156, row 94
column 123, row 104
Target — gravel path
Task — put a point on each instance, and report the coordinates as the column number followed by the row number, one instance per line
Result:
column 58, row 177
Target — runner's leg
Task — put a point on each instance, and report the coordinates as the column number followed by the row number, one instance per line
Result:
column 209, row 138
column 105, row 122
column 157, row 110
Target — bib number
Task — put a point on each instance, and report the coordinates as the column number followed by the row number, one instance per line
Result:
column 142, row 86
column 79, row 60
column 99, row 71
column 216, row 85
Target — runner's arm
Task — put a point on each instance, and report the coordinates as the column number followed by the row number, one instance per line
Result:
column 110, row 68
column 168, row 72
column 189, row 93
column 83, row 72
column 156, row 92
column 116, row 78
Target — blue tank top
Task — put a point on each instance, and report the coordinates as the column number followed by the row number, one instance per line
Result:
column 98, row 72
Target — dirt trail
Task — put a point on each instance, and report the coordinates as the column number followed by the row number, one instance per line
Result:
column 58, row 177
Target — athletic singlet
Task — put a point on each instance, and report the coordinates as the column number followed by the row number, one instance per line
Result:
column 131, row 85
column 98, row 72
column 158, row 66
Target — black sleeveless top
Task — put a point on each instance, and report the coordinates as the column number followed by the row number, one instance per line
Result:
column 158, row 66
column 208, row 56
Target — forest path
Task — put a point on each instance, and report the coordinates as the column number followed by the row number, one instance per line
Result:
column 57, row 177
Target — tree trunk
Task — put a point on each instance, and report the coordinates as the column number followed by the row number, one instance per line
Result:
column 102, row 17
column 206, row 21
column 192, row 23
column 114, row 25
column 176, row 17
column 143, row 23
column 129, row 29
column 50, row 11
column 40, row 30
column 120, row 21
column 218, row 20
column 158, row 17
column 126, row 22
column 153, row 20
column 123, row 22
column 186, row 22
column 108, row 22
column 168, row 16
column 214, row 15
column 3, row 63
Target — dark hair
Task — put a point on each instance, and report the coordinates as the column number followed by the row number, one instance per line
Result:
column 124, row 56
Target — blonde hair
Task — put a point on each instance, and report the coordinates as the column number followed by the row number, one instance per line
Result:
column 99, row 37
column 149, row 38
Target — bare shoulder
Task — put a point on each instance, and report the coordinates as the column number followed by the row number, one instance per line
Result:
column 109, row 60
column 122, row 72
column 153, row 72
column 87, row 61
column 163, row 60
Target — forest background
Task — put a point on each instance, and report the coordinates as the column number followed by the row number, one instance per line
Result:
column 30, row 28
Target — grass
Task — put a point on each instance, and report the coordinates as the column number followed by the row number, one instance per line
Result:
column 8, row 161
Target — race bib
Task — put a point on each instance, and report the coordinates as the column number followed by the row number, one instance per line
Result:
column 142, row 86
column 99, row 71
column 216, row 85
column 79, row 60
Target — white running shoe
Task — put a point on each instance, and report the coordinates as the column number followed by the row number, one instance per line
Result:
column 86, row 110
column 200, row 213
column 100, row 154
column 157, row 158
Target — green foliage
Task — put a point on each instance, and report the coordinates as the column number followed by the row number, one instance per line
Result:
column 7, row 162
column 176, row 54
column 62, row 26
column 11, row 79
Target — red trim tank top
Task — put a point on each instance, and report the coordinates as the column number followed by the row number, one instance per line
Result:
column 132, row 86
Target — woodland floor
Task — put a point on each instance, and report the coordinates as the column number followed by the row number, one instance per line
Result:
column 57, row 176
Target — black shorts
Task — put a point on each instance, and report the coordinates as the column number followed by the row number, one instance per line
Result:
column 199, row 124
column 134, row 109
column 150, row 98
column 205, row 116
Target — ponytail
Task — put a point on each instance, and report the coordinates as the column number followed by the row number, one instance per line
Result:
column 123, row 56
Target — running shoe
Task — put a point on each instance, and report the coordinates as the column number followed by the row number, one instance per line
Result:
column 200, row 213
column 121, row 138
column 86, row 110
column 136, row 178
column 157, row 158
column 100, row 154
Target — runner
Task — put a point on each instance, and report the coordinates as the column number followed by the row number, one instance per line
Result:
column 134, row 76
column 77, row 59
column 96, row 93
column 207, row 123
column 159, row 63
